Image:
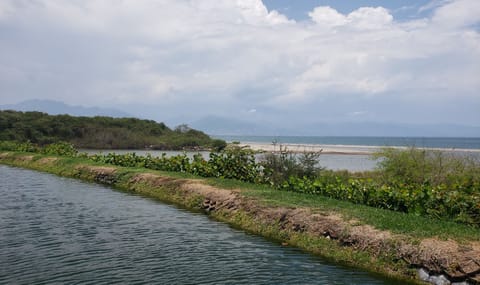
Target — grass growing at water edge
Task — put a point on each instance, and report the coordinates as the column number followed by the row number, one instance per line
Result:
column 402, row 223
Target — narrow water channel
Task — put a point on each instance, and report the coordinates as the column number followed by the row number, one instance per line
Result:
column 63, row 231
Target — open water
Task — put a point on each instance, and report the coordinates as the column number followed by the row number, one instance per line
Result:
column 428, row 142
column 61, row 231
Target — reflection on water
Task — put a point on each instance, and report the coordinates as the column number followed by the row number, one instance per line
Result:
column 57, row 230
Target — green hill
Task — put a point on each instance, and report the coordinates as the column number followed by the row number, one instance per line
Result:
column 100, row 132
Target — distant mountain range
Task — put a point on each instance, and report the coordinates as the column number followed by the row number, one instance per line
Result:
column 218, row 125
column 56, row 108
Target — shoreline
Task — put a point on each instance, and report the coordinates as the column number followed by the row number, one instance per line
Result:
column 299, row 148
column 314, row 229
column 338, row 149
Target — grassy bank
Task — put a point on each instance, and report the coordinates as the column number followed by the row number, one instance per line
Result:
column 320, row 225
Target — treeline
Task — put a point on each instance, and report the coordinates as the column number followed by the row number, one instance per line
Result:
column 100, row 132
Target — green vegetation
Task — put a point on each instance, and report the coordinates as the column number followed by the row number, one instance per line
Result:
column 284, row 164
column 419, row 182
column 100, row 132
column 416, row 182
column 396, row 222
column 233, row 162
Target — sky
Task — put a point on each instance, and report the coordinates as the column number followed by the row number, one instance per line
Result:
column 278, row 62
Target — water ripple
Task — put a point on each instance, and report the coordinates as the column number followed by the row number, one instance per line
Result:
column 57, row 231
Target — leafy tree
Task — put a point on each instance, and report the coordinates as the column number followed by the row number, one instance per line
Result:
column 100, row 132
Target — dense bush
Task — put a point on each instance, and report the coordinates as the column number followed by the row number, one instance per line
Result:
column 99, row 132
column 284, row 164
column 427, row 167
column 60, row 148
column 16, row 146
column 237, row 163
column 232, row 162
column 422, row 182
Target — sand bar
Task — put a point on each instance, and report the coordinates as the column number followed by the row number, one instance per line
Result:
column 298, row 148
column 335, row 149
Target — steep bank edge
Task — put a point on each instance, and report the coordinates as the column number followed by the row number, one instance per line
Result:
column 313, row 230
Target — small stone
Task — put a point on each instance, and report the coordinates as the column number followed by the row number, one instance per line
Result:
column 423, row 274
column 460, row 283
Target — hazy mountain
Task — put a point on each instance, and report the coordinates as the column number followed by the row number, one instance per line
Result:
column 215, row 125
column 57, row 107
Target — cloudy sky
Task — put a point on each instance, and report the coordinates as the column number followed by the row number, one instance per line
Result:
column 276, row 61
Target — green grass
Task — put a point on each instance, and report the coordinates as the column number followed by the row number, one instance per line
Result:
column 396, row 222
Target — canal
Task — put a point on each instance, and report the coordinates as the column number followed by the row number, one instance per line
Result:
column 64, row 231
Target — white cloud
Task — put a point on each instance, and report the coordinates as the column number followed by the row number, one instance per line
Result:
column 254, row 11
column 327, row 16
column 370, row 18
column 457, row 14
column 234, row 53
column 433, row 4
column 362, row 18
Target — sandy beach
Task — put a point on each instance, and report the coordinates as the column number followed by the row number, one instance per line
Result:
column 333, row 149
column 325, row 149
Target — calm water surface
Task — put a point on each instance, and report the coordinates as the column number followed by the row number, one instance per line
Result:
column 433, row 142
column 57, row 230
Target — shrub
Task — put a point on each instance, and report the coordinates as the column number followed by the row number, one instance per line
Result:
column 421, row 182
column 238, row 163
column 426, row 167
column 18, row 146
column 60, row 148
column 218, row 145
column 233, row 162
column 284, row 164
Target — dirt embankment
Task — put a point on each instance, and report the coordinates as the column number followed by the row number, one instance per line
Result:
column 437, row 260
column 457, row 262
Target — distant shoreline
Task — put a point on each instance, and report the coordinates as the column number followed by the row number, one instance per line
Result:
column 337, row 149
column 361, row 144
column 299, row 148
